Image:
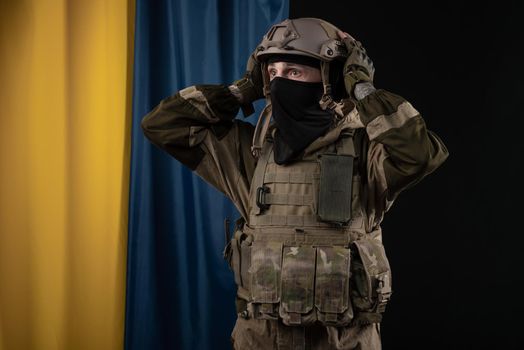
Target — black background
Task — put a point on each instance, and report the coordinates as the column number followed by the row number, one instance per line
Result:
column 455, row 240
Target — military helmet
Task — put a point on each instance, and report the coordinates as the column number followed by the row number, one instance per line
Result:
column 311, row 37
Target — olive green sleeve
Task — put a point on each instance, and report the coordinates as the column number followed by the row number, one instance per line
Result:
column 169, row 124
column 401, row 150
column 197, row 127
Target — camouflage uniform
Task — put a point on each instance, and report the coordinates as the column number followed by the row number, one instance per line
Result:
column 394, row 150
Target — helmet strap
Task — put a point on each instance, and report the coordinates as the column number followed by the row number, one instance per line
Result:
column 324, row 72
column 326, row 102
column 265, row 80
column 265, row 116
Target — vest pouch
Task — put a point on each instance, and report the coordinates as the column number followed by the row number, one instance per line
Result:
column 232, row 256
column 237, row 254
column 332, row 286
column 265, row 274
column 245, row 260
column 298, row 286
column 371, row 276
column 334, row 198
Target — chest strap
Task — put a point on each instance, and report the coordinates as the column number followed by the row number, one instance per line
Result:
column 345, row 144
column 285, row 220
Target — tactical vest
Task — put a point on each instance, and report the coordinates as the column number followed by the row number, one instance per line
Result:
column 304, row 255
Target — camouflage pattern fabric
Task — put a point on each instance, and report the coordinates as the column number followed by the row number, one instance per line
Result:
column 332, row 285
column 298, row 283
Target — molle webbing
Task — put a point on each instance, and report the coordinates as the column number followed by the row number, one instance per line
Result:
column 297, row 220
column 285, row 220
column 295, row 195
column 292, row 178
column 319, row 237
column 287, row 199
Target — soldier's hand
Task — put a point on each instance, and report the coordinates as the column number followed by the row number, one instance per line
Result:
column 358, row 68
column 250, row 87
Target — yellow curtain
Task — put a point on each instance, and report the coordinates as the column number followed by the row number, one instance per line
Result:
column 65, row 118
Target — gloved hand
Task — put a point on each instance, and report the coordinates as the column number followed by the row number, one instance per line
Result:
column 358, row 68
column 250, row 87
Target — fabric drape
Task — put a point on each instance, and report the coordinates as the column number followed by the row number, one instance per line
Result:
column 64, row 169
column 180, row 292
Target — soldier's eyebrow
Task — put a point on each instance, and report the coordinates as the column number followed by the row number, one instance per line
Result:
column 286, row 65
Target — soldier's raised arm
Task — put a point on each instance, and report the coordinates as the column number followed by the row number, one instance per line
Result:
column 401, row 150
column 196, row 126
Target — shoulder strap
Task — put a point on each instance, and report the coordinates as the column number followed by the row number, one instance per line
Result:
column 345, row 143
column 261, row 130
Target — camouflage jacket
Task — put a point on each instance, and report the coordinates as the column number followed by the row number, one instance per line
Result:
column 197, row 126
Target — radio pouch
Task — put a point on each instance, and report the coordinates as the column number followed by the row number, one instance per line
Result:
column 334, row 198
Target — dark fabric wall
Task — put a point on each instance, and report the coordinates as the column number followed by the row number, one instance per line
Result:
column 455, row 239
column 180, row 292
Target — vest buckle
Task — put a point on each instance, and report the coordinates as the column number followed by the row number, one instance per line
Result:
column 260, row 199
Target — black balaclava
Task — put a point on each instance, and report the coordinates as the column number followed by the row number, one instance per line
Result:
column 298, row 117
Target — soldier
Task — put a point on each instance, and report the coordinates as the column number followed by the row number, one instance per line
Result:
column 328, row 157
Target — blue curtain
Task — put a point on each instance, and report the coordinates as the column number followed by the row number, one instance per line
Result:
column 180, row 292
